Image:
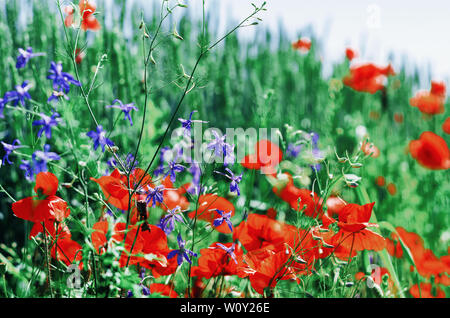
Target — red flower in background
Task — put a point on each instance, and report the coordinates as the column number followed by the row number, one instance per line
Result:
column 368, row 77
column 370, row 149
column 430, row 102
column 79, row 56
column 87, row 9
column 446, row 126
column 300, row 199
column 350, row 54
column 430, row 151
column 303, row 44
column 426, row 291
column 266, row 157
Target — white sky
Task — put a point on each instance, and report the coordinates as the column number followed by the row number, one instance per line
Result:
column 415, row 30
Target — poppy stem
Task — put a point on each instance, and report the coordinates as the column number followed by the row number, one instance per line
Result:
column 363, row 197
column 47, row 260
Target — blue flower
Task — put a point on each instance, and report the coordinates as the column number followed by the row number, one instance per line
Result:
column 167, row 224
column 25, row 56
column 126, row 108
column 317, row 154
column 155, row 195
column 47, row 123
column 229, row 250
column 26, row 166
column 224, row 217
column 61, row 80
column 293, row 150
column 187, row 123
column 41, row 158
column 234, row 185
column 99, row 138
column 9, row 148
column 220, row 147
column 160, row 169
column 19, row 95
column 182, row 252
column 173, row 169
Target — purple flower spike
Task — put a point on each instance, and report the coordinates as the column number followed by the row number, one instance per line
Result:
column 234, row 185
column 187, row 123
column 224, row 217
column 99, row 138
column 182, row 252
column 47, row 123
column 167, row 224
column 9, row 149
column 155, row 194
column 126, row 108
column 25, row 56
column 41, row 158
column 229, row 250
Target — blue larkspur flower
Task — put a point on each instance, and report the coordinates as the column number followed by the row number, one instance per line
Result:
column 25, row 56
column 221, row 148
column 167, row 223
column 47, row 122
column 182, row 253
column 293, row 150
column 28, row 168
column 126, row 108
column 224, row 217
column 155, row 194
column 187, row 123
column 99, row 138
column 41, row 158
column 19, row 95
column 61, row 80
column 235, row 180
column 9, row 148
column 229, row 250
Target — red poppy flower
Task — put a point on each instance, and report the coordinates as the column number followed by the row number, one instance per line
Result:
column 163, row 289
column 266, row 157
column 426, row 291
column 430, row 102
column 430, row 151
column 380, row 181
column 369, row 149
column 368, row 77
column 79, row 56
column 265, row 267
column 99, row 236
column 335, row 206
column 46, row 205
column 173, row 197
column 300, row 199
column 87, row 9
column 115, row 187
column 353, row 235
column 303, row 44
column 215, row 261
column 53, row 228
column 392, row 189
column 350, row 54
column 260, row 231
column 67, row 251
column 446, row 126
column 208, row 204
